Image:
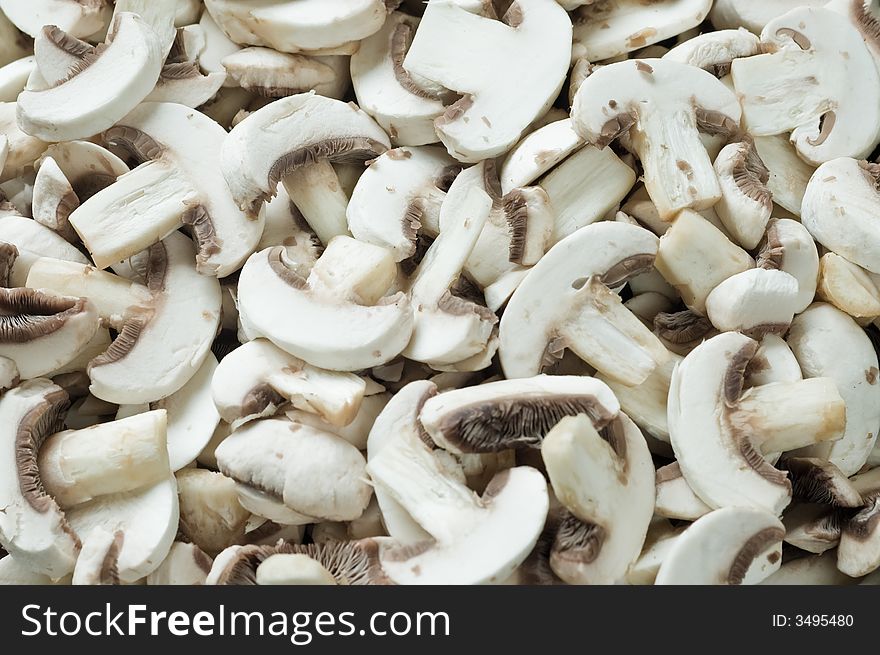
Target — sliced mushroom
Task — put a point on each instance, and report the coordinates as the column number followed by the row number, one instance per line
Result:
column 210, row 514
column 33, row 241
column 674, row 497
column 537, row 153
column 745, row 204
column 787, row 246
column 812, row 528
column 714, row 51
column 819, row 481
column 859, row 550
column 809, row 570
column 753, row 14
column 13, row 78
column 273, row 74
column 185, row 564
column 755, row 302
column 97, row 563
column 293, row 569
column 22, row 148
column 80, row 18
column 848, row 287
column 789, row 174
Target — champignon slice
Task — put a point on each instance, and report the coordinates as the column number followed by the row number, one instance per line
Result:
column 87, row 166
column 819, row 481
column 22, row 148
column 293, row 569
column 13, row 78
column 210, row 515
column 537, row 153
column 729, row 546
column 604, row 30
column 606, row 482
column 755, row 302
column 848, row 287
column 182, row 82
column 753, row 14
column 274, row 74
column 840, row 208
column 788, row 246
column 714, row 51
column 185, row 564
column 745, row 204
column 662, row 104
column 80, row 18
column 803, row 85
column 466, row 420
column 32, row 241
column 508, row 71
column 107, row 84
column 310, row 472
column 809, row 570
column 97, row 563
column 33, row 527
column 830, row 344
column 13, row 572
column 475, row 540
column 674, row 497
column 859, row 550
column 773, row 362
column 564, row 302
column 162, row 346
column 718, row 429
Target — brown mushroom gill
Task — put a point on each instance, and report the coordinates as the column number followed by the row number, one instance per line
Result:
column 401, row 38
column 819, row 481
column 109, row 574
column 867, row 23
column 576, row 542
column 751, row 175
column 863, row 525
column 8, row 255
column 771, row 251
column 754, row 546
column 28, row 314
column 516, row 211
column 681, row 327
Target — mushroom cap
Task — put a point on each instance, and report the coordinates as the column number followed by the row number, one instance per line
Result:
column 848, row 287
column 788, row 246
column 714, row 51
column 537, row 153
column 755, row 302
column 745, row 204
column 729, row 546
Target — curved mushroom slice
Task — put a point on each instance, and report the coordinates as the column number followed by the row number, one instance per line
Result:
column 564, row 303
column 185, row 564
column 461, row 420
column 714, row 51
column 830, row 344
column 509, row 73
column 217, row 46
column 859, row 550
column 292, row 26
column 81, row 19
column 256, row 378
column 180, row 183
column 13, row 78
column 32, row 527
column 22, row 149
column 812, row 528
column 753, row 14
column 108, row 83
column 730, row 546
column 662, row 104
column 475, row 540
column 32, row 241
column 273, row 74
column 659, row 540
column 41, row 332
column 819, row 481
column 146, row 517
column 745, row 204
column 88, row 167
column 840, row 210
column 829, row 103
column 182, row 82
column 399, row 194
column 789, row 174
column 606, row 482
column 306, row 471
column 97, row 563
column 54, row 199
column 788, row 246
column 809, row 570
column 755, row 302
column 718, row 430
column 403, row 104
column 603, row 30
column 537, row 153
column 162, row 346
column 210, row 515
column 57, row 53
column 848, row 287
column 293, row 569
column 158, row 14
column 12, row 572
column 773, row 362
column 674, row 497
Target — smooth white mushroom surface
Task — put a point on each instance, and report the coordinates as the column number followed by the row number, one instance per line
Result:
column 439, row 292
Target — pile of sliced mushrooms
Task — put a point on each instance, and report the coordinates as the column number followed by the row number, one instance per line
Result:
column 446, row 292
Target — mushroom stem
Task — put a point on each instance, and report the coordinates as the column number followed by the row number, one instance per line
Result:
column 79, row 465
column 319, row 196
column 792, row 414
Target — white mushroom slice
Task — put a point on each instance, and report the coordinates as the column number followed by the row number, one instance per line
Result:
column 460, row 420
column 695, row 257
column 357, row 431
column 273, row 74
column 97, row 561
column 475, row 540
column 87, row 166
column 608, row 483
column 813, row 528
column 730, row 546
column 146, row 517
column 819, row 481
column 185, row 564
column 773, row 362
column 840, row 210
column 353, row 325
column 809, row 570
column 829, row 103
column 659, row 540
column 606, row 30
column 291, row 26
column 789, row 174
column 56, row 53
column 107, row 85
column 54, row 199
column 537, row 153
column 182, row 82
column 21, row 148
column 293, row 569
column 755, row 302
column 79, row 465
column 33, row 241
column 161, row 346
column 714, row 51
column 312, row 472
column 848, row 287
column 210, row 515
column 255, row 379
column 41, row 332
column 158, row 14
column 13, row 78
column 285, row 226
column 788, row 247
column 753, row 14
column 80, row 18
column 97, row 345
column 663, row 106
column 318, row 194
column 400, row 193
column 509, row 73
column 675, row 498
column 829, row 343
column 718, row 430
column 564, row 303
column 12, row 572
column 217, row 46
column 745, row 204
column 32, row 527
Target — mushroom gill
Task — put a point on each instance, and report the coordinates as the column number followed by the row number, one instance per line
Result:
column 28, row 314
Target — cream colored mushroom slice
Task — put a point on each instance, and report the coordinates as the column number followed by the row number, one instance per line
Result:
column 356, row 432
column 508, row 71
column 773, row 362
column 787, row 246
column 22, row 149
column 695, row 257
column 718, row 429
column 745, row 205
column 274, row 74
column 354, row 324
column 255, row 379
column 285, row 226
column 606, row 482
column 753, row 14
column 80, row 18
column 97, row 563
column 538, row 153
column 840, row 207
column 33, row 241
column 809, row 570
column 292, row 26
column 729, row 546
column 400, row 193
column 12, row 572
column 859, row 550
column 848, row 287
column 509, row 516
column 819, row 481
column 404, row 105
column 659, row 540
column 183, row 82
column 185, row 564
column 210, row 515
column 755, row 302
column 829, row 103
column 714, row 51
column 106, row 85
column 564, row 303
column 298, row 473
column 13, row 78
column 607, row 30
column 789, row 174
column 158, row 14
column 88, row 167
column 660, row 102
column 813, row 528
column 293, row 569
column 33, row 528
column 217, row 46
column 674, row 497
column 57, row 53
column 154, row 355
column 830, row 344
column 54, row 199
